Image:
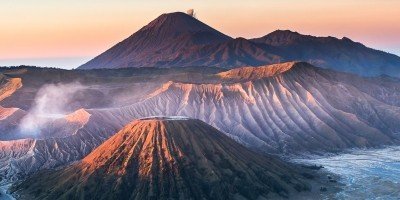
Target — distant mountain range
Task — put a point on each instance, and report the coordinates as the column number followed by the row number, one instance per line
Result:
column 179, row 40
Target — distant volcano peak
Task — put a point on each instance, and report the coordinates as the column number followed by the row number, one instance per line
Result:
column 180, row 21
column 180, row 40
column 158, row 42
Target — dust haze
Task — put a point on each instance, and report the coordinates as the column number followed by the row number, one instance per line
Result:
column 50, row 103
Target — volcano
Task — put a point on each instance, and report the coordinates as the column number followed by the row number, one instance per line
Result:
column 158, row 42
column 180, row 40
column 167, row 158
column 288, row 108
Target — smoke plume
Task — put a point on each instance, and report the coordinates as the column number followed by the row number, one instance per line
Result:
column 191, row 13
column 50, row 103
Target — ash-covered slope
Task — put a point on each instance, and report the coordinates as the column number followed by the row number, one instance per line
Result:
column 157, row 43
column 9, row 117
column 20, row 124
column 61, row 141
column 99, row 88
column 303, row 109
column 290, row 108
column 166, row 158
column 8, row 86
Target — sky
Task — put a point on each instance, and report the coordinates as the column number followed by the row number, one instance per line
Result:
column 67, row 33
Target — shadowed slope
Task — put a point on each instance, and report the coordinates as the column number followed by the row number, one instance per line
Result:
column 158, row 42
column 163, row 158
column 330, row 52
column 179, row 40
column 233, row 53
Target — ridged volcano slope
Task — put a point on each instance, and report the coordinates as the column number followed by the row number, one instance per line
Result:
column 299, row 109
column 302, row 109
column 166, row 158
column 158, row 43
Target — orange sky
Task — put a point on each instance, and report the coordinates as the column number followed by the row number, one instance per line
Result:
column 67, row 33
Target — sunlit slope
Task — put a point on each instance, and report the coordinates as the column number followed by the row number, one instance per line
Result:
column 164, row 158
column 303, row 109
column 292, row 108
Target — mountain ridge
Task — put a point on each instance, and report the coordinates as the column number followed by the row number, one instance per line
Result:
column 179, row 40
column 259, row 72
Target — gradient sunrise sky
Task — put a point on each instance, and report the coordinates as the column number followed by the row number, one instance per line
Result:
column 66, row 33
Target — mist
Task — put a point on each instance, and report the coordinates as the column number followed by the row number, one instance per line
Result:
column 50, row 104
